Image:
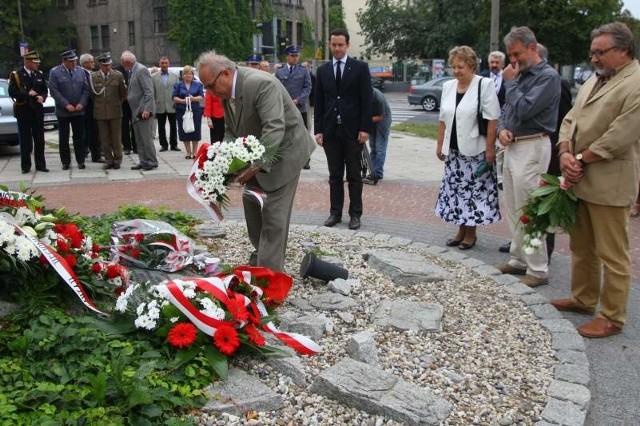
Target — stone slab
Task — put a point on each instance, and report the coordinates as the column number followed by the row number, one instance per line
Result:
column 407, row 268
column 409, row 315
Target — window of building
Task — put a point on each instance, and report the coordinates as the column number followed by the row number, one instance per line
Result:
column 160, row 20
column 132, row 33
column 95, row 38
column 299, row 34
column 289, row 32
column 105, row 37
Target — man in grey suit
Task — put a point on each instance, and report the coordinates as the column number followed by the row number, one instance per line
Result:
column 68, row 86
column 163, row 82
column 255, row 103
column 142, row 103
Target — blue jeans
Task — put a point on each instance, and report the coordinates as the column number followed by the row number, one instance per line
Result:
column 378, row 145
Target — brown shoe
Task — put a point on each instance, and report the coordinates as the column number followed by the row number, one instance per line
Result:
column 599, row 327
column 508, row 269
column 570, row 305
column 531, row 281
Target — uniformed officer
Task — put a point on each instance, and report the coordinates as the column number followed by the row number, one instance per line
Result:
column 28, row 89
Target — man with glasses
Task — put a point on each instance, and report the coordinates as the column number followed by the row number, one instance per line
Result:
column 599, row 153
column 529, row 115
column 255, row 103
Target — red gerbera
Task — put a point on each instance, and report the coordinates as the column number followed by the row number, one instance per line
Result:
column 182, row 335
column 237, row 309
column 226, row 339
column 254, row 335
column 113, row 271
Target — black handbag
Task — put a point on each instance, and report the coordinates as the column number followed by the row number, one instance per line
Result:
column 483, row 123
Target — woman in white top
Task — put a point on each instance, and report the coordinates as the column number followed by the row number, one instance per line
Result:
column 468, row 195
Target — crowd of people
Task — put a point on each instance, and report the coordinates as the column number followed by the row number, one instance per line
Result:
column 497, row 131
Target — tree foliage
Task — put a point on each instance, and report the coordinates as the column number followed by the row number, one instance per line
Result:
column 336, row 15
column 429, row 28
column 45, row 30
column 201, row 25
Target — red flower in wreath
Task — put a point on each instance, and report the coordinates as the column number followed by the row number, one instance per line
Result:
column 96, row 268
column 71, row 260
column 62, row 245
column 182, row 335
column 254, row 335
column 226, row 339
column 237, row 309
column 524, row 219
column 113, row 271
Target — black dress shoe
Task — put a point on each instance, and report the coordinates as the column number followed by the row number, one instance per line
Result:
column 116, row 166
column 332, row 220
column 163, row 149
column 147, row 168
column 354, row 223
column 24, row 172
column 136, row 167
column 505, row 248
column 65, row 167
column 82, row 166
column 108, row 166
column 44, row 169
column 127, row 152
column 175, row 148
column 99, row 160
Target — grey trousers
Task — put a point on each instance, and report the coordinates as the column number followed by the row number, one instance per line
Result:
column 143, row 131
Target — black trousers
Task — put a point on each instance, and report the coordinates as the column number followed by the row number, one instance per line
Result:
column 162, row 131
column 76, row 123
column 217, row 132
column 31, row 138
column 343, row 154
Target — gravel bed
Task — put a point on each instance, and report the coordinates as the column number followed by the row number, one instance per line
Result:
column 492, row 361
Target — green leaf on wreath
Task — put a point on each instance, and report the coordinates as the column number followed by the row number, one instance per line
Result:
column 218, row 361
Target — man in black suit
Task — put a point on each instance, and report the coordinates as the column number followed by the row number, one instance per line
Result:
column 496, row 65
column 342, row 122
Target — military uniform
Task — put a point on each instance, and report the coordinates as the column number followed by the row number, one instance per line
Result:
column 29, row 113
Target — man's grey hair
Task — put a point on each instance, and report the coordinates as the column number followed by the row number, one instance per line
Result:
column 497, row 55
column 85, row 57
column 216, row 63
column 542, row 51
column 620, row 33
column 128, row 56
column 522, row 34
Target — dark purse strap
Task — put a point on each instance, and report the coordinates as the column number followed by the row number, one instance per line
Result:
column 479, row 94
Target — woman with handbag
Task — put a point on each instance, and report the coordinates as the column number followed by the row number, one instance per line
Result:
column 188, row 95
column 466, row 143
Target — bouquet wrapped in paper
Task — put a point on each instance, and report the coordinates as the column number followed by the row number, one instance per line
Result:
column 150, row 244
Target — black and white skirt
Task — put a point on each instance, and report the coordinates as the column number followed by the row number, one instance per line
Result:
column 465, row 199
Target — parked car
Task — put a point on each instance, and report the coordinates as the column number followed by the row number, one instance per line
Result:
column 427, row 94
column 377, row 82
column 9, row 124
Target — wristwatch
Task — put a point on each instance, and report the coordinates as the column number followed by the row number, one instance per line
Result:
column 580, row 158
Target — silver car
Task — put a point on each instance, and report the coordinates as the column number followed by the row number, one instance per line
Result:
column 428, row 94
column 9, row 124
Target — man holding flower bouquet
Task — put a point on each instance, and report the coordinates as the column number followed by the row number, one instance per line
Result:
column 256, row 103
column 599, row 153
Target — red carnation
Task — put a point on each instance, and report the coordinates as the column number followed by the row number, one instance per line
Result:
column 254, row 335
column 182, row 335
column 113, row 271
column 95, row 247
column 525, row 219
column 96, row 268
column 71, row 260
column 135, row 252
column 139, row 237
column 62, row 245
column 76, row 239
column 226, row 339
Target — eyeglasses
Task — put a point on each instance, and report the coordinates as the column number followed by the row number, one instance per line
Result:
column 599, row 52
column 212, row 85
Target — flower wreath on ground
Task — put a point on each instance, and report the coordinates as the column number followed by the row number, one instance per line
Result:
column 47, row 247
column 215, row 316
column 550, row 208
column 218, row 165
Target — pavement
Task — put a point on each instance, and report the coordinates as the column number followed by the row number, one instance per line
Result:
column 400, row 205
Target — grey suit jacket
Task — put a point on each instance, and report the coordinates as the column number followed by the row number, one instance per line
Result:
column 162, row 92
column 140, row 95
column 67, row 90
column 265, row 110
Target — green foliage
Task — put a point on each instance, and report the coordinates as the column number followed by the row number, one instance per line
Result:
column 336, row 15
column 201, row 25
column 430, row 28
column 421, row 130
column 57, row 367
